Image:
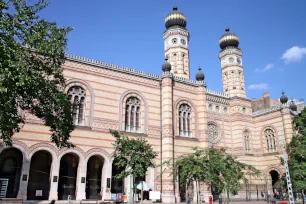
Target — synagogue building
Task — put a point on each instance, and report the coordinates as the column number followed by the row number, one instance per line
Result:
column 171, row 111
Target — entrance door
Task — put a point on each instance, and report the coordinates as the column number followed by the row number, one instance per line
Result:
column 10, row 168
column 68, row 176
column 39, row 179
column 93, row 178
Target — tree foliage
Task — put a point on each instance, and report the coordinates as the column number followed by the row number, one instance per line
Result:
column 297, row 153
column 135, row 156
column 31, row 73
column 213, row 167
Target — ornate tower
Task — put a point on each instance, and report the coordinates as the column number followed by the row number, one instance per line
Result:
column 231, row 65
column 176, row 39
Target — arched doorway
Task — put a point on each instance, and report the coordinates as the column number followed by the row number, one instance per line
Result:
column 274, row 177
column 68, row 176
column 10, row 168
column 94, row 177
column 39, row 178
column 117, row 184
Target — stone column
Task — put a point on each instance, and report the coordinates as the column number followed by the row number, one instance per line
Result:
column 81, row 186
column 201, row 125
column 106, row 174
column 24, row 178
column 53, row 194
column 167, row 137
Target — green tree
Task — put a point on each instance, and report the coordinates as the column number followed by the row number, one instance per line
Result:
column 213, row 167
column 135, row 156
column 231, row 172
column 31, row 73
column 297, row 154
column 192, row 168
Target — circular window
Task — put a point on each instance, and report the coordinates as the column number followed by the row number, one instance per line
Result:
column 183, row 41
column 213, row 134
column 231, row 59
column 174, row 40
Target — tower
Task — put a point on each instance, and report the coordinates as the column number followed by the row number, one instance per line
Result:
column 231, row 65
column 176, row 39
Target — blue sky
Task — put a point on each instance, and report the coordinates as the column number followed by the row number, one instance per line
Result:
column 129, row 33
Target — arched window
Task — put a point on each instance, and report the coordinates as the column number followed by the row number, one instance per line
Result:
column 185, row 120
column 132, row 115
column 247, row 145
column 76, row 95
column 183, row 59
column 270, row 140
column 213, row 133
column 175, row 61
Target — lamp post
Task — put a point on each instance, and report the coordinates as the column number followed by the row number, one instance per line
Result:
column 292, row 110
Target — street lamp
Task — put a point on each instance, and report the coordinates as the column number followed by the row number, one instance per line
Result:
column 293, row 111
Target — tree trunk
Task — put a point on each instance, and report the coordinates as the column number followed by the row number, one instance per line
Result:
column 141, row 192
column 228, row 201
column 303, row 197
column 131, row 190
column 198, row 191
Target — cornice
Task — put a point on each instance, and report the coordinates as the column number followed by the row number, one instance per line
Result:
column 217, row 99
column 113, row 67
column 175, row 31
column 218, row 94
column 228, row 51
column 274, row 109
column 134, row 72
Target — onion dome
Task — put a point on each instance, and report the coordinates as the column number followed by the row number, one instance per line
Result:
column 283, row 99
column 175, row 18
column 228, row 40
column 166, row 67
column 200, row 75
column 292, row 106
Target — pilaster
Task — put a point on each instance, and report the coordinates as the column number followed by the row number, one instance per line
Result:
column 168, row 184
column 80, row 186
column 24, row 178
column 53, row 194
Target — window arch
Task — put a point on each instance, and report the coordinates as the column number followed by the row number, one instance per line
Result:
column 76, row 95
column 185, row 120
column 270, row 140
column 247, row 141
column 132, row 114
column 175, row 61
column 213, row 133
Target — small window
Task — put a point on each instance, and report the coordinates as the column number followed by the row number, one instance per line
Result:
column 217, row 108
column 76, row 95
column 210, row 107
column 132, row 115
column 185, row 120
column 270, row 140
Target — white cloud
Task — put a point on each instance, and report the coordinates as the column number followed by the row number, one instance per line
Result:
column 294, row 54
column 266, row 68
column 261, row 86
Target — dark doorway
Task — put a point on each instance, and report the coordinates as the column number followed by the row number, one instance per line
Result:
column 183, row 190
column 274, row 176
column 117, row 185
column 93, row 177
column 10, row 168
column 68, row 176
column 39, row 178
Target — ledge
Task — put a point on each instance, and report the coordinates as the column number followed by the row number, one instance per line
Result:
column 134, row 134
column 249, row 154
column 186, row 138
column 83, row 127
column 271, row 153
